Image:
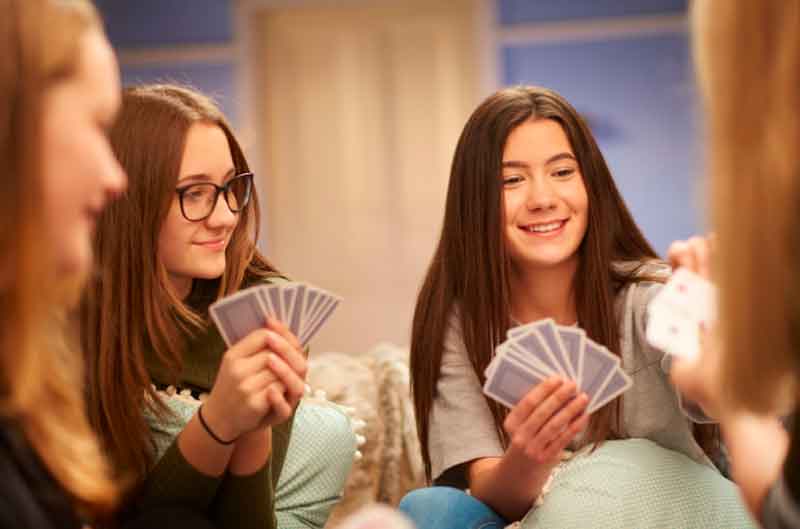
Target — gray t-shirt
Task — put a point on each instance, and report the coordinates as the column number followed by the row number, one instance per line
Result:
column 462, row 427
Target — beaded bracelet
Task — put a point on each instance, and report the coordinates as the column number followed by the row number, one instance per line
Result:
column 209, row 431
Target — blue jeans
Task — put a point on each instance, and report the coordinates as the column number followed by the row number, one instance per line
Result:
column 448, row 508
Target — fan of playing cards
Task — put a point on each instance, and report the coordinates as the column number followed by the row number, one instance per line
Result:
column 541, row 349
column 676, row 314
column 300, row 307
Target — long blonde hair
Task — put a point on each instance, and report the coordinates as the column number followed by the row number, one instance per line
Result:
column 129, row 309
column 748, row 61
column 41, row 377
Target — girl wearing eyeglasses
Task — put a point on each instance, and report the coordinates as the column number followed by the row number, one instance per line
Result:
column 182, row 237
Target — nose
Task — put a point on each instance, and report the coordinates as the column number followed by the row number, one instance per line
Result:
column 541, row 194
column 221, row 216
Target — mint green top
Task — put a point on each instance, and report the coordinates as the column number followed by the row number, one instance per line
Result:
column 230, row 501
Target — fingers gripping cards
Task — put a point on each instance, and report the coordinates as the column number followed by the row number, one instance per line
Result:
column 541, row 349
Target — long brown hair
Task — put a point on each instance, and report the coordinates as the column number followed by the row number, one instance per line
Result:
column 40, row 374
column 748, row 60
column 470, row 269
column 129, row 308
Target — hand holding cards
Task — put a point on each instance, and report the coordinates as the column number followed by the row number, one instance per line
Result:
column 684, row 304
column 302, row 308
column 538, row 350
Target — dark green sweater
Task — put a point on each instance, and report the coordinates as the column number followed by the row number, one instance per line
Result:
column 230, row 501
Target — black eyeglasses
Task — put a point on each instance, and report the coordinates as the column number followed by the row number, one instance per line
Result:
column 199, row 200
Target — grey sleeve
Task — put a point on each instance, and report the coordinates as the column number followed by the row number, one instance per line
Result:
column 650, row 407
column 780, row 510
column 644, row 294
column 462, row 427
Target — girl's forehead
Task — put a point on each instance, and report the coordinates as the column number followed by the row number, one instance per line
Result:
column 206, row 153
column 537, row 142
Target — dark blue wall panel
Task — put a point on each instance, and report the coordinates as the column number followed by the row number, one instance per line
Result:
column 154, row 23
column 520, row 11
column 638, row 94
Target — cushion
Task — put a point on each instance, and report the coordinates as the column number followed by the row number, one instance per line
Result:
column 375, row 385
column 637, row 483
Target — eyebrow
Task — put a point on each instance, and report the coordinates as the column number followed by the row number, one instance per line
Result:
column 203, row 177
column 523, row 165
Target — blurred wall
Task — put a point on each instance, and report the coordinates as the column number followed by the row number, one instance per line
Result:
column 623, row 63
column 190, row 41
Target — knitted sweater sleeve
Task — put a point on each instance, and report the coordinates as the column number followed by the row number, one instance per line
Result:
column 174, row 481
column 248, row 502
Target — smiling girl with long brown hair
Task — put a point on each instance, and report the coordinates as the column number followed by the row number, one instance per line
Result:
column 534, row 227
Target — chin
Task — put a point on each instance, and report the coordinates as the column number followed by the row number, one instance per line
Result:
column 547, row 261
column 75, row 259
column 206, row 267
column 208, row 273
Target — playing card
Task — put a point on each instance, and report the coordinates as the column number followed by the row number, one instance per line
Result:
column 295, row 312
column 533, row 343
column 519, row 330
column 548, row 330
column 302, row 308
column 573, row 339
column 322, row 300
column 616, row 383
column 487, row 373
column 672, row 332
column 288, row 292
column 598, row 363
column 275, row 297
column 527, row 357
column 524, row 358
column 309, row 306
column 238, row 315
column 510, row 381
column 321, row 319
column 688, row 294
column 265, row 301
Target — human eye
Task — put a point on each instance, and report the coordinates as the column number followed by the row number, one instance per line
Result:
column 564, row 173
column 196, row 193
column 512, row 180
